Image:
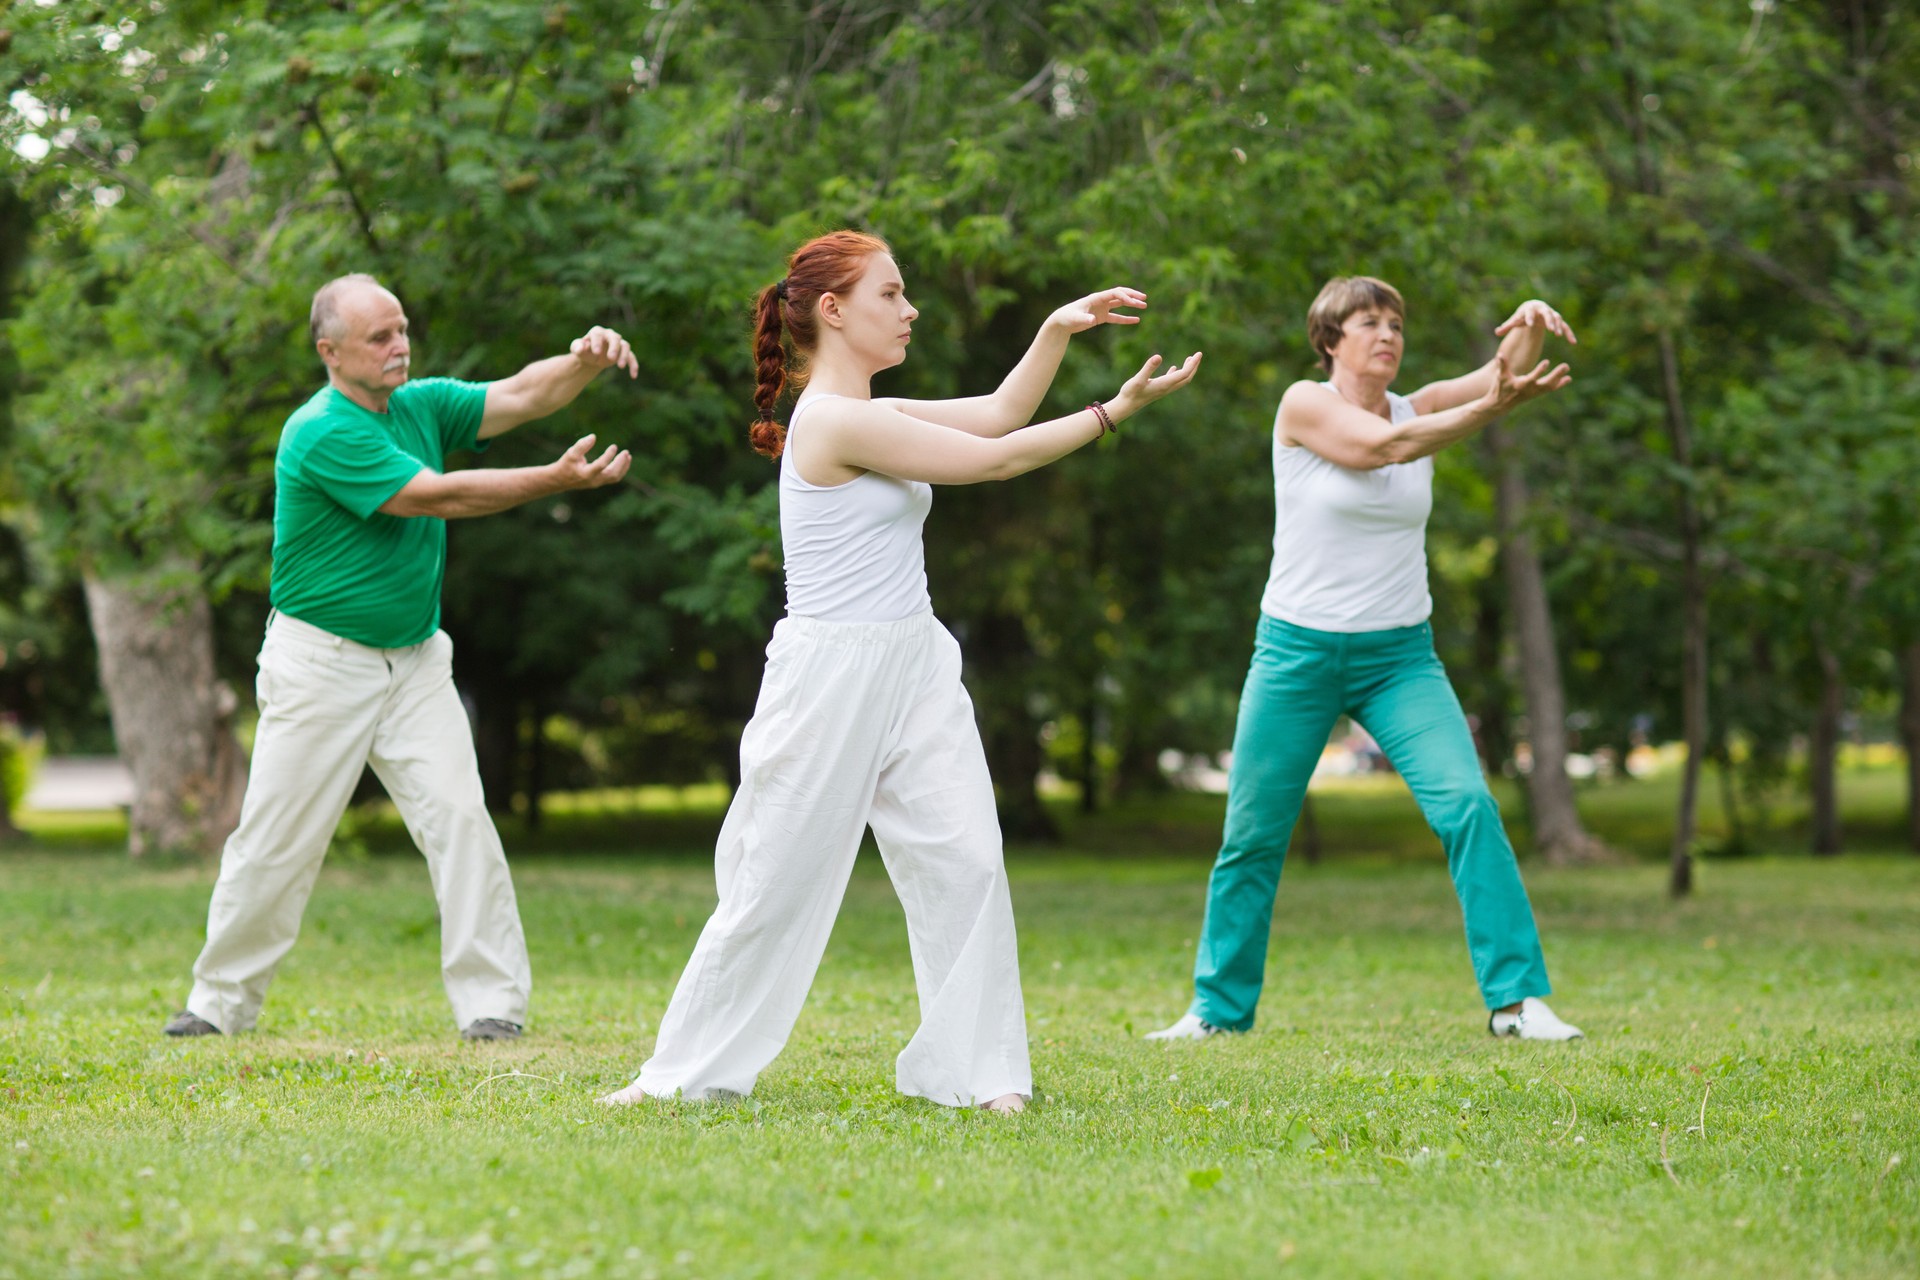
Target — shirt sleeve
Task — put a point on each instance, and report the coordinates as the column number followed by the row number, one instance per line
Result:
column 358, row 466
column 455, row 408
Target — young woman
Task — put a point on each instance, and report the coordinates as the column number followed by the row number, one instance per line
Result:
column 862, row 719
column 1343, row 631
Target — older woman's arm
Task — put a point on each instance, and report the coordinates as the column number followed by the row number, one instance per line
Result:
column 1349, row 436
column 1523, row 337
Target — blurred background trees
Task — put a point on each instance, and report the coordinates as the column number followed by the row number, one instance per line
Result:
column 1708, row 539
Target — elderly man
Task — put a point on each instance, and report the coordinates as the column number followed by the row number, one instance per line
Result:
column 355, row 669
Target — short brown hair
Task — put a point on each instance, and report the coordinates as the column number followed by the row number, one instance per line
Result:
column 1339, row 298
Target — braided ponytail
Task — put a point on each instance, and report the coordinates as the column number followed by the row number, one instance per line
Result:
column 787, row 311
column 768, row 436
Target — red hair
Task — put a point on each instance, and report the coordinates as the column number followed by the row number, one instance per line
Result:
column 832, row 263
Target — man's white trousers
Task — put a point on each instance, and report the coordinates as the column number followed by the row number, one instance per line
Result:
column 328, row 708
column 856, row 724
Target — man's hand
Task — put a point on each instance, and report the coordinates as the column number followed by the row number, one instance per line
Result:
column 575, row 470
column 1098, row 308
column 605, row 349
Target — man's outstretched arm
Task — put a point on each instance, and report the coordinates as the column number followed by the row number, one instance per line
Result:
column 483, row 491
column 546, row 386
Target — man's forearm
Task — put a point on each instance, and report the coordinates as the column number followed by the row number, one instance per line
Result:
column 543, row 387
column 482, row 492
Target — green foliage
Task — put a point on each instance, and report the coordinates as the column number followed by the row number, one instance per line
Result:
column 1737, row 179
column 19, row 757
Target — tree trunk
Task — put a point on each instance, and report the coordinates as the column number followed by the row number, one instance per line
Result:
column 1089, row 757
column 536, row 768
column 1730, row 797
column 496, row 740
column 1495, row 736
column 1558, row 834
column 1693, row 626
column 1910, row 733
column 1823, row 756
column 1693, row 589
column 172, row 717
column 1306, row 832
column 1002, row 654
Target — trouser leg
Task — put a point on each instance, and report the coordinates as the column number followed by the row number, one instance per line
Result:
column 423, row 754
column 318, row 708
column 1410, row 708
column 934, row 819
column 809, row 761
column 1287, row 708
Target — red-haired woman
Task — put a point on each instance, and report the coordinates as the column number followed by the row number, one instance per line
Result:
column 862, row 719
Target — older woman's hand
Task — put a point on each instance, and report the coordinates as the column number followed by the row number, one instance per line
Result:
column 1509, row 392
column 1535, row 312
column 1098, row 308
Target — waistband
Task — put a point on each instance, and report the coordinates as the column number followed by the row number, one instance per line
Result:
column 288, row 627
column 1280, row 628
column 825, row 631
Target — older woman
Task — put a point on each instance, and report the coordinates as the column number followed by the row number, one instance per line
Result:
column 1343, row 631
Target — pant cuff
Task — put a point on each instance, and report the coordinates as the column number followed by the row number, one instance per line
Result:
column 1515, row 994
column 1201, row 1012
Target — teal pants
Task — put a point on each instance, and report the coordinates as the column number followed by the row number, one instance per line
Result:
column 1392, row 683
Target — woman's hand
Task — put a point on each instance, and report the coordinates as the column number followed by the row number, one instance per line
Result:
column 1535, row 312
column 1509, row 392
column 1142, row 389
column 1098, row 308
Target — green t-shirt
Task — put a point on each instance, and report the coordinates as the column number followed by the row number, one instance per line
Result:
column 338, row 563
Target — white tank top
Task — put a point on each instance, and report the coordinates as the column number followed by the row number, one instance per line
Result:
column 1349, row 547
column 853, row 551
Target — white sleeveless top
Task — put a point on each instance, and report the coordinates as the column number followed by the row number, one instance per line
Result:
column 853, row 551
column 1349, row 547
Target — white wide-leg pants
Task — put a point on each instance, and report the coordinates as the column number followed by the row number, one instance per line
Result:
column 856, row 724
column 329, row 707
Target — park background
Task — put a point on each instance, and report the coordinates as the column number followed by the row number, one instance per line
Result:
column 1700, row 560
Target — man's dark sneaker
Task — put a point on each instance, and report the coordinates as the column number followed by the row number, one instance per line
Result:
column 491, row 1029
column 188, row 1023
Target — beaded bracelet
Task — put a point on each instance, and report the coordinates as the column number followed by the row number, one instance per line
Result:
column 1100, row 412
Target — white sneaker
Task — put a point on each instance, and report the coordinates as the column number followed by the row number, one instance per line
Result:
column 1534, row 1022
column 1190, row 1027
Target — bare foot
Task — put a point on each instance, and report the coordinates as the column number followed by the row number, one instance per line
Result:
column 623, row 1097
column 1007, row 1104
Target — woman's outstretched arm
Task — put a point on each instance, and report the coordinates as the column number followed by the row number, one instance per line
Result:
column 1523, row 337
column 1012, row 406
column 1351, row 437
column 855, row 436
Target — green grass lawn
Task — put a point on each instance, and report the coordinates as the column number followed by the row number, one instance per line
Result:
column 1367, row 1127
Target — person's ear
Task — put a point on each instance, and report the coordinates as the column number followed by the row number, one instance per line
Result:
column 329, row 353
column 830, row 310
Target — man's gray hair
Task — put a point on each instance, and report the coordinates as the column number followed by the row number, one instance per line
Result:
column 324, row 320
